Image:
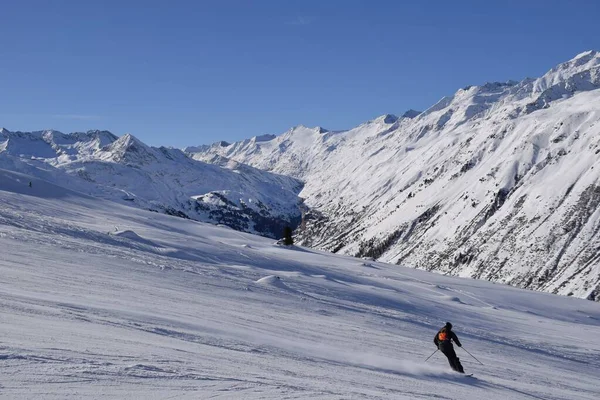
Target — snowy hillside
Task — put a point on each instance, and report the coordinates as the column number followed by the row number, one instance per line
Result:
column 162, row 179
column 497, row 182
column 101, row 300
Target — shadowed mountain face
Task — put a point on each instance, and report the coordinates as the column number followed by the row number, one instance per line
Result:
column 496, row 182
column 165, row 180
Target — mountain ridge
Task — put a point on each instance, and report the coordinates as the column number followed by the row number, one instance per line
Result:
column 126, row 170
column 461, row 188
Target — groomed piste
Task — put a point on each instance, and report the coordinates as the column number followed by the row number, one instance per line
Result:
column 101, row 300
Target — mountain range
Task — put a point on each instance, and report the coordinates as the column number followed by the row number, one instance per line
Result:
column 496, row 182
column 125, row 170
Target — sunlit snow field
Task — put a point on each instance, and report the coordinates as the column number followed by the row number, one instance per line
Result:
column 100, row 300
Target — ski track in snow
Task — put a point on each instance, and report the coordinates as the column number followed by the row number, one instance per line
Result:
column 166, row 308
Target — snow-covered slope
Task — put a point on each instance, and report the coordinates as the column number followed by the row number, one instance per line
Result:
column 162, row 179
column 499, row 182
column 101, row 300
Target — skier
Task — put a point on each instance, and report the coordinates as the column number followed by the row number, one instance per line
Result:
column 443, row 341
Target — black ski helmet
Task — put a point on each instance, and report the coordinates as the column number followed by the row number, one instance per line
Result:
column 448, row 325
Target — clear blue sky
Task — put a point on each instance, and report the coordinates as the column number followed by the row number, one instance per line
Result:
column 180, row 73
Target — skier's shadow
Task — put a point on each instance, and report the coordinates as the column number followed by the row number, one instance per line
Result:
column 459, row 379
column 433, row 376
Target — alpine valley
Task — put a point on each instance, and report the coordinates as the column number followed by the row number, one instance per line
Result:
column 497, row 182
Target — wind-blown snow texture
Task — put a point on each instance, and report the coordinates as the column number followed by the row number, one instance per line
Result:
column 100, row 300
column 162, row 179
column 497, row 182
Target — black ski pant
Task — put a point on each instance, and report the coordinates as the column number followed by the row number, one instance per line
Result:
column 447, row 348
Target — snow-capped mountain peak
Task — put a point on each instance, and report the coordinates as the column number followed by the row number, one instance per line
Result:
column 128, row 148
column 261, row 138
column 586, row 61
column 305, row 130
column 386, row 119
column 411, row 114
column 127, row 142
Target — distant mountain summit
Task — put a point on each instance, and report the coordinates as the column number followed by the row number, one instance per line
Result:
column 126, row 170
column 411, row 114
column 497, row 181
